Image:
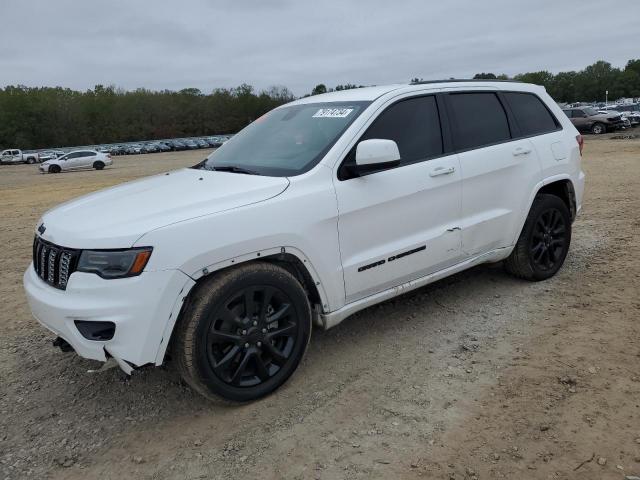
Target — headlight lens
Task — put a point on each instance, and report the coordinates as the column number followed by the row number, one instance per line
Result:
column 114, row 263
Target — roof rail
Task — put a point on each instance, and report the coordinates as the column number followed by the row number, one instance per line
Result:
column 456, row 80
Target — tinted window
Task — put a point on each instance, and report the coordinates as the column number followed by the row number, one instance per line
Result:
column 567, row 113
column 414, row 125
column 479, row 119
column 531, row 114
column 578, row 113
column 286, row 141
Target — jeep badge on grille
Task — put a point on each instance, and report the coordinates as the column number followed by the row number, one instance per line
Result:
column 41, row 228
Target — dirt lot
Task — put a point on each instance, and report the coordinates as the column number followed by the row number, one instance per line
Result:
column 478, row 376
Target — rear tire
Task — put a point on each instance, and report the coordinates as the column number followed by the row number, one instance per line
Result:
column 544, row 241
column 31, row 160
column 242, row 333
column 598, row 128
column 55, row 169
column 98, row 165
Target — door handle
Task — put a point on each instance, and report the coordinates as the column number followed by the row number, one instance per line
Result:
column 521, row 151
column 441, row 171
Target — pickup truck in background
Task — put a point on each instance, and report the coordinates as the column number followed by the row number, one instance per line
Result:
column 17, row 156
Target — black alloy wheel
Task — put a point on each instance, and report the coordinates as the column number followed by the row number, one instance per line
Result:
column 252, row 336
column 544, row 241
column 242, row 332
column 548, row 242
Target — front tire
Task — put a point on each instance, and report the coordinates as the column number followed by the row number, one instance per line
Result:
column 243, row 333
column 544, row 241
column 55, row 169
column 598, row 128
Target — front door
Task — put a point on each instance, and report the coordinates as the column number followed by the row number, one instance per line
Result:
column 400, row 223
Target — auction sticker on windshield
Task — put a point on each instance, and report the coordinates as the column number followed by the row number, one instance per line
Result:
column 333, row 113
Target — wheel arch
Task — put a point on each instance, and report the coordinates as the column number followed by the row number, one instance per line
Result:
column 564, row 189
column 289, row 258
column 560, row 186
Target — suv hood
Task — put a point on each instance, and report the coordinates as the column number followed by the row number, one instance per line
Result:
column 118, row 216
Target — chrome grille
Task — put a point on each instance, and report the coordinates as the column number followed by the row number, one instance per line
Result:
column 52, row 263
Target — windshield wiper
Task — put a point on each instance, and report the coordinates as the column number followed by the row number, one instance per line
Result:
column 234, row 169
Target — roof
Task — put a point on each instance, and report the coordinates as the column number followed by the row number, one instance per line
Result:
column 372, row 93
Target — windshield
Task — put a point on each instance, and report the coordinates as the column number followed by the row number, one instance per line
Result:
column 590, row 111
column 286, row 141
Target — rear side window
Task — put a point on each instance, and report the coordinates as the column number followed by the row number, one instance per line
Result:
column 414, row 125
column 532, row 115
column 567, row 113
column 479, row 119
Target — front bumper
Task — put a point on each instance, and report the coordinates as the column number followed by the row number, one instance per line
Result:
column 143, row 309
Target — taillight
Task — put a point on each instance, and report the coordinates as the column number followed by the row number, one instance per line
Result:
column 580, row 141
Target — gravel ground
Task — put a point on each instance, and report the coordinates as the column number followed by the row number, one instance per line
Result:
column 479, row 376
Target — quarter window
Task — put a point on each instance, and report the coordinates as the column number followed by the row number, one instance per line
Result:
column 532, row 115
column 479, row 119
column 414, row 125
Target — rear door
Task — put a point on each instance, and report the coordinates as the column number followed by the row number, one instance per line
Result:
column 400, row 223
column 536, row 122
column 497, row 169
column 579, row 119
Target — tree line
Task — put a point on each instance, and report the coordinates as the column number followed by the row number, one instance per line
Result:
column 45, row 117
column 588, row 85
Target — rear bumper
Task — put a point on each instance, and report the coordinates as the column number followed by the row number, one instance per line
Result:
column 142, row 308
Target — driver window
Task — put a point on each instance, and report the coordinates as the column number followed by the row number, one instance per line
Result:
column 414, row 124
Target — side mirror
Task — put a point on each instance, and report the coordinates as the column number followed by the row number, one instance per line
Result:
column 375, row 154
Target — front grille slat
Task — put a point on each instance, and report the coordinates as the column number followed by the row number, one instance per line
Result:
column 43, row 262
column 54, row 264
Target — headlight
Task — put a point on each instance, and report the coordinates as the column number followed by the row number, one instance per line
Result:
column 114, row 263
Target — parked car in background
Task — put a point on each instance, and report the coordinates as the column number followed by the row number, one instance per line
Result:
column 629, row 112
column 634, row 118
column 134, row 149
column 45, row 155
column 15, row 155
column 588, row 119
column 191, row 144
column 176, row 145
column 202, row 143
column 149, row 148
column 213, row 142
column 163, row 147
column 76, row 160
column 363, row 192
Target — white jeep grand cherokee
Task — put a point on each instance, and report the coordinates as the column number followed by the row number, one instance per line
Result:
column 316, row 210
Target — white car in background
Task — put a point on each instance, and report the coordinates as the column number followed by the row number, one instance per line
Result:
column 77, row 160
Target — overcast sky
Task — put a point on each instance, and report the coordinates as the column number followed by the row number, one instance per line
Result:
column 296, row 43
